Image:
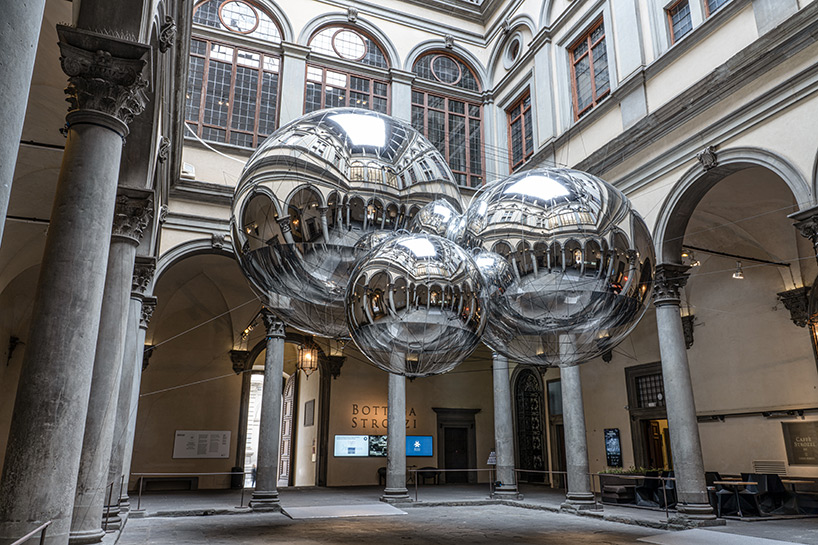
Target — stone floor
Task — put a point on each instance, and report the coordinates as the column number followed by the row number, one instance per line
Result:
column 442, row 514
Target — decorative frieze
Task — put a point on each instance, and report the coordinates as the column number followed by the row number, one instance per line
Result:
column 273, row 326
column 797, row 302
column 668, row 284
column 131, row 217
column 105, row 74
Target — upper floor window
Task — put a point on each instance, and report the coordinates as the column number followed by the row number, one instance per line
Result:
column 520, row 131
column 589, row 69
column 711, row 6
column 447, row 109
column 341, row 84
column 678, row 19
column 232, row 89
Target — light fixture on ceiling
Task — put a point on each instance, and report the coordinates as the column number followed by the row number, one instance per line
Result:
column 739, row 274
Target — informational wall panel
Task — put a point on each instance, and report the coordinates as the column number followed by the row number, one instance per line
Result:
column 201, row 444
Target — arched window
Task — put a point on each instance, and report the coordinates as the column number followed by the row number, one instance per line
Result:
column 447, row 109
column 333, row 76
column 233, row 73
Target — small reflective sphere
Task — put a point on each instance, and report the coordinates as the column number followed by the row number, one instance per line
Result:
column 568, row 264
column 416, row 305
column 317, row 195
column 436, row 218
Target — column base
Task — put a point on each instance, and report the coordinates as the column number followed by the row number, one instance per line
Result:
column 506, row 492
column 698, row 511
column 124, row 503
column 580, row 501
column 84, row 537
column 265, row 501
column 395, row 495
column 112, row 516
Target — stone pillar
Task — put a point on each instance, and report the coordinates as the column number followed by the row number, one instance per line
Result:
column 503, row 437
column 322, row 211
column 688, row 466
column 402, row 94
column 143, row 355
column 293, row 68
column 579, row 495
column 395, row 490
column 43, row 455
column 131, row 368
column 18, row 42
column 265, row 496
column 131, row 216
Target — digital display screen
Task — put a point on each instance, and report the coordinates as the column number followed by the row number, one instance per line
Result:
column 377, row 445
column 351, row 445
column 419, row 445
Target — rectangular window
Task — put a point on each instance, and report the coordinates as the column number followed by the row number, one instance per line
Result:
column 711, row 6
column 232, row 93
column 332, row 89
column 520, row 131
column 678, row 20
column 589, row 70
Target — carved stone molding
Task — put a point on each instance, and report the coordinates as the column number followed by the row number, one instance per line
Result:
column 607, row 356
column 334, row 364
column 105, row 74
column 284, row 224
column 707, row 157
column 273, row 326
column 148, row 306
column 352, row 14
column 449, row 41
column 687, row 329
column 806, row 222
column 143, row 271
column 240, row 360
column 167, row 34
column 797, row 302
column 163, row 213
column 218, row 241
column 146, row 356
column 668, row 284
column 163, row 152
column 131, row 216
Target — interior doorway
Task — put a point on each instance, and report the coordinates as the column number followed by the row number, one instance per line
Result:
column 649, row 428
column 657, row 443
column 530, row 426
column 558, row 458
column 457, row 444
column 455, row 453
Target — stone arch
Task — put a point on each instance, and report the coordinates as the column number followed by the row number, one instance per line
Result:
column 337, row 18
column 695, row 183
column 521, row 23
column 465, row 55
column 528, row 400
column 214, row 245
column 545, row 14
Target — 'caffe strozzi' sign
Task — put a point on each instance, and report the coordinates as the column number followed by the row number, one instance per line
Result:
column 374, row 417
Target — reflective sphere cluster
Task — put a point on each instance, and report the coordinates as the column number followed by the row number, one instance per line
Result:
column 317, row 195
column 348, row 223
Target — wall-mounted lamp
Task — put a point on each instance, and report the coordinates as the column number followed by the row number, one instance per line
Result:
column 739, row 274
column 308, row 357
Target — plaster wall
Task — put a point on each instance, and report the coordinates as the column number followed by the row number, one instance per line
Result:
column 306, row 445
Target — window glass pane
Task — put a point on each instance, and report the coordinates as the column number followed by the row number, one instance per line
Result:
column 554, row 397
column 417, row 118
column 314, row 74
column 582, row 75
column 713, row 5
column 214, row 135
column 601, row 69
column 580, row 49
column 267, row 107
column 526, row 101
column 334, row 97
column 198, row 47
column 529, row 132
column 244, row 99
column 597, row 33
column 349, row 45
column 474, row 111
column 457, row 142
column 248, row 58
column 379, row 88
column 442, row 68
column 475, row 147
column 241, row 139
column 346, row 43
column 217, row 99
column 680, row 19
column 446, row 69
column 435, row 102
column 208, row 14
column 221, row 52
column 272, row 64
column 358, row 100
column 267, row 29
column 359, row 84
column 379, row 104
column 195, row 74
column 516, row 142
column 312, row 97
column 336, row 79
column 437, row 130
column 417, row 98
column 456, row 106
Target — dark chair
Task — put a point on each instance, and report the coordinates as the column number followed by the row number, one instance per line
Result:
column 428, row 473
column 709, row 478
column 646, row 493
column 382, row 476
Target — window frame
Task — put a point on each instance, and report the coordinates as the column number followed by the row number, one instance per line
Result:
column 585, row 36
column 707, row 12
column 349, row 75
column 527, row 153
column 669, row 18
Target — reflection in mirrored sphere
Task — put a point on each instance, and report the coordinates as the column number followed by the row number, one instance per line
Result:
column 568, row 263
column 317, row 195
column 416, row 305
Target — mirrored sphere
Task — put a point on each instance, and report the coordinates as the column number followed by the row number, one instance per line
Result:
column 317, row 195
column 416, row 305
column 568, row 264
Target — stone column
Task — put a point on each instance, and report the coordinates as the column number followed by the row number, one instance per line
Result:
column 131, row 216
column 265, row 496
column 18, row 42
column 395, row 490
column 131, row 368
column 143, row 355
column 402, row 94
column 293, row 68
column 688, row 466
column 43, row 455
column 579, row 495
column 503, row 437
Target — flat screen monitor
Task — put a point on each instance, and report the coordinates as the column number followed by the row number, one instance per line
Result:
column 377, row 445
column 351, row 445
column 419, row 445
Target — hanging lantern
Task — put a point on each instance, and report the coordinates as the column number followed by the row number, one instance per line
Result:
column 308, row 358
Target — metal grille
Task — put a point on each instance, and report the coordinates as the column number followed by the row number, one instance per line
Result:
column 650, row 391
column 770, row 466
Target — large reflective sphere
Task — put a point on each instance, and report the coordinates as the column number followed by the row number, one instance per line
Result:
column 568, row 263
column 309, row 195
column 416, row 305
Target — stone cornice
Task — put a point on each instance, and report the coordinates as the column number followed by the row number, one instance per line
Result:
column 105, row 74
column 668, row 283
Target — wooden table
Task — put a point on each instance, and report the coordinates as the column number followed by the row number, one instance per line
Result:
column 734, row 485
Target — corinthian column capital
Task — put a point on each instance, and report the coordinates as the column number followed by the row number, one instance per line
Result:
column 132, row 214
column 105, row 76
column 143, row 271
column 668, row 284
column 274, row 326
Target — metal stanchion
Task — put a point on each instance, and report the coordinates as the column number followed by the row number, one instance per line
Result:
column 108, row 506
column 139, row 498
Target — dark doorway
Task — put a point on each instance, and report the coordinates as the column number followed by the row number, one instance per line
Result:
column 455, row 454
column 528, row 405
column 646, row 404
column 657, row 443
